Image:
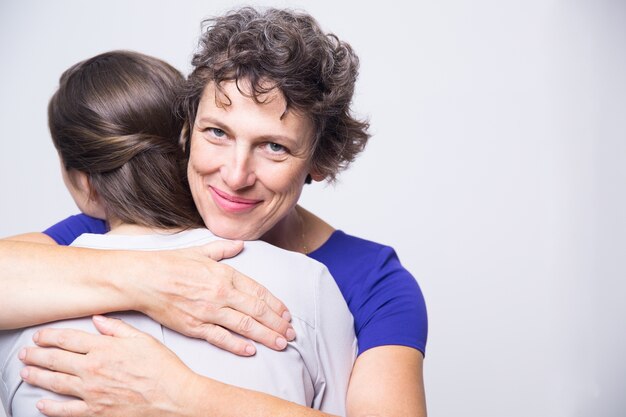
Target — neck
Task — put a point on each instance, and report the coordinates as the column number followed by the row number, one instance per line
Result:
column 288, row 233
column 300, row 231
column 117, row 227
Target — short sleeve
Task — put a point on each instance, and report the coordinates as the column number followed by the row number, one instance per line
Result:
column 392, row 309
column 66, row 231
column 384, row 298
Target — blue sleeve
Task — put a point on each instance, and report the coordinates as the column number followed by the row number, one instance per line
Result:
column 390, row 307
column 66, row 231
column 384, row 298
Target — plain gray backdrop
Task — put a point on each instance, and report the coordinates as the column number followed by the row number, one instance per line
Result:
column 496, row 169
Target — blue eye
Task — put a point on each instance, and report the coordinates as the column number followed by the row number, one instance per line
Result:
column 275, row 147
column 218, row 133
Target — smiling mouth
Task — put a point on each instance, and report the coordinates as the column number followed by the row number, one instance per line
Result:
column 231, row 203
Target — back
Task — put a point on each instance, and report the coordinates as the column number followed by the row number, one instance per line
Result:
column 313, row 370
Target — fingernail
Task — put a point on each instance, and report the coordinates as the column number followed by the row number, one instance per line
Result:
column 36, row 337
column 24, row 373
column 281, row 343
column 291, row 334
column 286, row 315
column 99, row 319
column 250, row 350
column 39, row 405
column 22, row 354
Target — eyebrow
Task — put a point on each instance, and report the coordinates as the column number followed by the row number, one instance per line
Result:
column 269, row 138
column 212, row 121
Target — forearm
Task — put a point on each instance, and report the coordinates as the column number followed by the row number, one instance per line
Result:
column 42, row 283
column 207, row 397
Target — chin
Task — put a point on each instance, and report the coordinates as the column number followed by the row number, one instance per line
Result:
column 232, row 232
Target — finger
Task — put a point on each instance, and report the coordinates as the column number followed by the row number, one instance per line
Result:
column 115, row 327
column 253, row 288
column 259, row 310
column 71, row 340
column 52, row 381
column 74, row 408
column 247, row 326
column 52, row 359
column 225, row 340
column 222, row 249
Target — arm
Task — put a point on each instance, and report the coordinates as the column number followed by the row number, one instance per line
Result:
column 33, row 238
column 386, row 381
column 186, row 290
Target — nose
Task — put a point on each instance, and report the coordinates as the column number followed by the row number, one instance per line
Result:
column 239, row 173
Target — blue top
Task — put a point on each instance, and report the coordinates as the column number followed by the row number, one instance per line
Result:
column 384, row 298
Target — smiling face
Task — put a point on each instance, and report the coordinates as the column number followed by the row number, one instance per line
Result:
column 248, row 161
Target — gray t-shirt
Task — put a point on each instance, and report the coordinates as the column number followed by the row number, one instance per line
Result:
column 313, row 370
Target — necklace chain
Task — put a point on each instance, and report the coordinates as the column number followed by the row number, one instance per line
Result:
column 305, row 248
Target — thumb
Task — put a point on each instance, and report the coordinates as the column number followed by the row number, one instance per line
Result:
column 222, row 249
column 114, row 327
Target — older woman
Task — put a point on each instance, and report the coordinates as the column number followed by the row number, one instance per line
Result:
column 268, row 109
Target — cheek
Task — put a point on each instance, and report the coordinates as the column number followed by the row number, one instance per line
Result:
column 287, row 181
column 202, row 161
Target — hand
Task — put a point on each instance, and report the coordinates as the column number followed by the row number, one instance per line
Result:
column 129, row 374
column 193, row 294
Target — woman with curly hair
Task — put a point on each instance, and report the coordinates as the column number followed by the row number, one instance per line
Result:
column 268, row 110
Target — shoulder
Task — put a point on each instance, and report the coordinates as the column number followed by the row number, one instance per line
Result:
column 343, row 248
column 385, row 299
column 352, row 259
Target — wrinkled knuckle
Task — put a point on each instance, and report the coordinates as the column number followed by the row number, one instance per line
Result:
column 189, row 321
column 245, row 325
column 56, row 384
column 61, row 341
column 260, row 308
column 67, row 411
column 51, row 363
column 222, row 292
column 93, row 390
column 261, row 292
column 217, row 336
column 97, row 409
column 93, row 367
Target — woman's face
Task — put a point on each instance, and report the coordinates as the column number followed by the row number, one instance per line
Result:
column 248, row 161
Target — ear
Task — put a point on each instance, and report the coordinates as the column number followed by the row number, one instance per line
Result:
column 316, row 176
column 84, row 195
column 80, row 181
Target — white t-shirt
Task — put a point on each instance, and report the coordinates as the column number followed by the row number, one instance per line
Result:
column 313, row 370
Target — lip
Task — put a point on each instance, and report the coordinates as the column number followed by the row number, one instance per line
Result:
column 231, row 203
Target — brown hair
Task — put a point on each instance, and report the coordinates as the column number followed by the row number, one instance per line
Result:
column 315, row 71
column 112, row 118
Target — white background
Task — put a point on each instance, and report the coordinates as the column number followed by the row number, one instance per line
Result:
column 497, row 171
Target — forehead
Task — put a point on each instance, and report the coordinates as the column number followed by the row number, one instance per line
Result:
column 233, row 106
